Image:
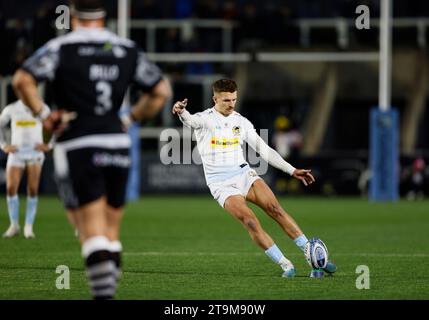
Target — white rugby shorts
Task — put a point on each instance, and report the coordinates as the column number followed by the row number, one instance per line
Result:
column 237, row 185
column 22, row 159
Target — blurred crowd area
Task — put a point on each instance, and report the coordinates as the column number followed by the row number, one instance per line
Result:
column 257, row 24
column 228, row 9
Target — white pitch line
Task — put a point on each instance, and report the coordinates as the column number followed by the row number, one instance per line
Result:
column 387, row 255
column 153, row 253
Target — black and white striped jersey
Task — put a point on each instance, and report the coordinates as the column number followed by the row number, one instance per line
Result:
column 91, row 69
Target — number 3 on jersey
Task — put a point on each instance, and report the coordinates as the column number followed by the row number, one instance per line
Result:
column 104, row 94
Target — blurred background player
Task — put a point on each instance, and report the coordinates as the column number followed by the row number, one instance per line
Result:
column 286, row 141
column 220, row 133
column 25, row 153
column 91, row 69
column 416, row 179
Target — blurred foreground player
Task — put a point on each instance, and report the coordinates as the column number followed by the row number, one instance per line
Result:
column 91, row 69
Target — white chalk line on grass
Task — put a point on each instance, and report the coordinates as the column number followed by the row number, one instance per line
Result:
column 386, row 255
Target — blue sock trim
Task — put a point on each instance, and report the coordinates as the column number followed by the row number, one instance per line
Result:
column 13, row 209
column 30, row 213
column 301, row 241
column 274, row 253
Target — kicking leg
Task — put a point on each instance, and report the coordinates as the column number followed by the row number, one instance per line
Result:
column 261, row 195
column 237, row 207
column 13, row 178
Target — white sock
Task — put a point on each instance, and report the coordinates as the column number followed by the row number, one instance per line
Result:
column 30, row 213
column 274, row 253
column 301, row 241
column 277, row 256
column 13, row 209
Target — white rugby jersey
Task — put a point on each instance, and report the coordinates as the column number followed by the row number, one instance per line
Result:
column 220, row 139
column 26, row 129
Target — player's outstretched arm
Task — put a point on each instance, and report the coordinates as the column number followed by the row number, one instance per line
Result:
column 274, row 159
column 190, row 120
column 179, row 106
column 304, row 175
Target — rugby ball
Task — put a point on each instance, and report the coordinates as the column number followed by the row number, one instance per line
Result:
column 316, row 253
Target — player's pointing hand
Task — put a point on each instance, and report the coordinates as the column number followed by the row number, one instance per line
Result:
column 179, row 106
column 304, row 175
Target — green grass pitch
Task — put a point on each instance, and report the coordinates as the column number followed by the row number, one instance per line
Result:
column 189, row 248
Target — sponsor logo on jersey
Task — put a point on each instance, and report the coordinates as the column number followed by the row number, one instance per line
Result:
column 86, row 51
column 236, row 131
column 26, row 123
column 104, row 159
column 107, row 46
column 107, row 50
column 224, row 142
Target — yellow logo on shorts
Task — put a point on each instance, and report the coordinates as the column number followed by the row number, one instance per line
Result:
column 224, row 142
column 26, row 123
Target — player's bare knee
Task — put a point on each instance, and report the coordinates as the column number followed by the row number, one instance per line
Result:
column 32, row 192
column 11, row 191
